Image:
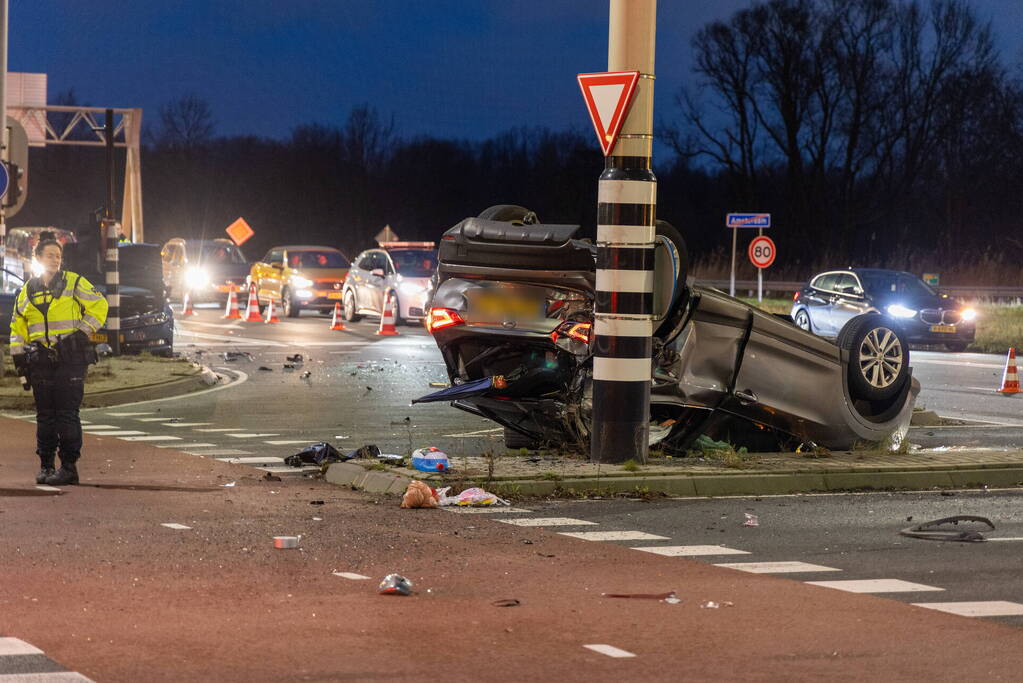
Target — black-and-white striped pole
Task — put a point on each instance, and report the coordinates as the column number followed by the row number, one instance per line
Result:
column 111, row 240
column 626, row 214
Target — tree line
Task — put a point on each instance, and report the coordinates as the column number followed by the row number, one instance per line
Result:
column 876, row 132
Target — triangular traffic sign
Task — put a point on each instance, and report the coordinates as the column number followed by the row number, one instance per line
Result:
column 608, row 96
column 386, row 235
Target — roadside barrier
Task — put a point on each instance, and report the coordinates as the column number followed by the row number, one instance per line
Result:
column 252, row 308
column 1010, row 379
column 231, row 309
column 335, row 321
column 271, row 314
column 186, row 305
column 387, row 327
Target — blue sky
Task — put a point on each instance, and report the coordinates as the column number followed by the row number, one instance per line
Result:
column 446, row 68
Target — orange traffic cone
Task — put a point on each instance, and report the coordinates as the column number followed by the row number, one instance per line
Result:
column 387, row 327
column 271, row 314
column 186, row 306
column 252, row 308
column 335, row 321
column 1010, row 380
column 231, row 309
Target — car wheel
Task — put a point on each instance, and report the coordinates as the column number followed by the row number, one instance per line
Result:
column 665, row 230
column 878, row 356
column 510, row 213
column 802, row 320
column 350, row 314
column 288, row 306
column 514, row 439
column 957, row 347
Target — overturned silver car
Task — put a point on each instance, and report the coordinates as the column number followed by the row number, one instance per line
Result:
column 512, row 313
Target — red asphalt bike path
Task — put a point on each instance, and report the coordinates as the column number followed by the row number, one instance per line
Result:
column 92, row 578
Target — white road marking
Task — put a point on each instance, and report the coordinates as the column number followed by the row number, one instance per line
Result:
column 875, row 586
column 464, row 435
column 1007, row 538
column 249, row 436
column 120, row 433
column 234, row 340
column 128, row 414
column 150, row 438
column 989, row 608
column 350, row 575
column 175, row 525
column 609, row 650
column 222, row 429
column 468, row 510
column 16, row 646
column 225, row 451
column 88, row 428
column 50, row 677
column 776, row 567
column 240, row 378
column 957, row 363
column 614, row 535
column 182, row 446
column 546, row 521
column 153, row 419
column 285, row 443
column 47, row 488
column 691, row 550
column 270, row 460
column 186, row 424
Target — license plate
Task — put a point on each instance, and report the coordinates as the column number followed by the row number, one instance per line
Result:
column 99, row 338
column 494, row 307
column 945, row 329
column 334, row 295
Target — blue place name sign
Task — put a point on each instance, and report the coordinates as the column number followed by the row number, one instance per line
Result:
column 748, row 220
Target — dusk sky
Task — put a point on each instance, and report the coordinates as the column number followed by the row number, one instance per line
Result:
column 447, row 68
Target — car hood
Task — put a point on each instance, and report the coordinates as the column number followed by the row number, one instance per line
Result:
column 226, row 270
column 916, row 302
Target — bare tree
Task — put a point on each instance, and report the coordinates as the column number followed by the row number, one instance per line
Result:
column 185, row 123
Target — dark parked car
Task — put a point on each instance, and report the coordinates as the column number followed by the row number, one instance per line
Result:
column 829, row 300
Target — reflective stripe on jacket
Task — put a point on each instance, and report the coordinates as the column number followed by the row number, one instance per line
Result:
column 71, row 304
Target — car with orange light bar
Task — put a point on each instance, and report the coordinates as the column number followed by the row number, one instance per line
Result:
column 512, row 312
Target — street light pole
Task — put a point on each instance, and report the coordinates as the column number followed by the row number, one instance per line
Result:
column 626, row 214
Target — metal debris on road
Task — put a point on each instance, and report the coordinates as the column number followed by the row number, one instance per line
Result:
column 439, row 385
column 751, row 520
column 265, row 369
column 317, row 502
column 395, row 584
column 286, row 542
column 297, row 358
column 289, row 366
column 509, row 602
column 929, row 530
column 230, row 356
column 642, row 596
column 229, row 484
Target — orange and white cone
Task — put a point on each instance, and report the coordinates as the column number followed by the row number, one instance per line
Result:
column 387, row 327
column 231, row 309
column 271, row 314
column 186, row 305
column 335, row 321
column 1010, row 379
column 252, row 308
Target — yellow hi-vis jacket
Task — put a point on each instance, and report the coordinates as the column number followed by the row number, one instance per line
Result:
column 69, row 304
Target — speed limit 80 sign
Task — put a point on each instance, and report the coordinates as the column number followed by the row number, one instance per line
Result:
column 761, row 252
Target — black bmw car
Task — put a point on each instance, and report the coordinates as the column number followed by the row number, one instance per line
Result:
column 926, row 316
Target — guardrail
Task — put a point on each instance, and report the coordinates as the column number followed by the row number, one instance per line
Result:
column 749, row 288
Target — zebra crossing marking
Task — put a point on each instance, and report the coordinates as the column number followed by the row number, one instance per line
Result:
column 691, row 550
column 985, row 608
column 546, row 521
column 875, row 586
column 776, row 567
column 614, row 535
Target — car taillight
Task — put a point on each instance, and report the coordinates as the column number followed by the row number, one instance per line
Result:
column 573, row 330
column 796, row 295
column 439, row 318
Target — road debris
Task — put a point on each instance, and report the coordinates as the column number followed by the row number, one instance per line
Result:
column 710, row 604
column 229, row 484
column 297, row 358
column 395, row 584
column 670, row 595
column 265, row 369
column 317, row 454
column 306, row 374
column 231, row 356
column 469, row 497
column 751, row 520
column 317, row 502
column 418, row 495
column 286, row 542
column 270, row 476
column 367, row 451
column 430, row 460
column 508, row 602
column 929, row 530
column 439, row 385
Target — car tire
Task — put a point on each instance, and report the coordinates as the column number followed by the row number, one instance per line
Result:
column 509, row 213
column 878, row 356
column 670, row 232
column 957, row 347
column 288, row 306
column 514, row 440
column 350, row 314
column 802, row 320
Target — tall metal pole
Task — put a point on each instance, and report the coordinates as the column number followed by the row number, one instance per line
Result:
column 111, row 240
column 626, row 214
column 3, row 123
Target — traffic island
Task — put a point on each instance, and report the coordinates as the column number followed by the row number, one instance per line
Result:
column 113, row 381
column 751, row 474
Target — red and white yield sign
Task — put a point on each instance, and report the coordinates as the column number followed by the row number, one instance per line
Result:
column 761, row 251
column 608, row 96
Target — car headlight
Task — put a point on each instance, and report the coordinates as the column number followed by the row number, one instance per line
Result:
column 411, row 288
column 969, row 314
column 900, row 311
column 196, row 278
column 300, row 281
column 305, row 294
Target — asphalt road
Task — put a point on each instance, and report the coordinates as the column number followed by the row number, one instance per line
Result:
column 965, row 385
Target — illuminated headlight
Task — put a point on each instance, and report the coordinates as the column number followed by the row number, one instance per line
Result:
column 37, row 268
column 900, row 311
column 196, row 278
column 969, row 314
column 300, row 281
column 305, row 293
column 411, row 288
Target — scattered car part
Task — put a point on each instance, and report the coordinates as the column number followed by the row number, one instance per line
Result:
column 929, row 530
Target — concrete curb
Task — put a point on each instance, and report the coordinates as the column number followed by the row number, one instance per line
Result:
column 114, row 397
column 749, row 483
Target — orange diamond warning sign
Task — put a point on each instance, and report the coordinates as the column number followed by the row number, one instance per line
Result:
column 239, row 231
column 608, row 96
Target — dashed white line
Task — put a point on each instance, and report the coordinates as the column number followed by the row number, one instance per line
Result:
column 91, row 427
column 691, row 550
column 150, row 438
column 876, row 586
column 546, row 521
column 222, row 429
column 254, row 459
column 126, row 432
column 777, row 567
column 609, row 650
column 185, row 424
column 152, row 419
column 989, row 608
column 129, row 414
column 16, row 646
column 1007, row 538
column 614, row 535
column 288, row 442
column 223, row 451
column 250, row 436
column 182, row 446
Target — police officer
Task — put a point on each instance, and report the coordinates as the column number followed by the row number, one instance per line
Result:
column 53, row 317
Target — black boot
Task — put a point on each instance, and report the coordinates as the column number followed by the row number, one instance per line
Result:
column 47, row 470
column 67, row 475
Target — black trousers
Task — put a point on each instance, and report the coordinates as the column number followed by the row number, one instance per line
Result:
column 58, row 390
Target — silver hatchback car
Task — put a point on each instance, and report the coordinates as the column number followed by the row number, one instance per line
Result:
column 402, row 268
